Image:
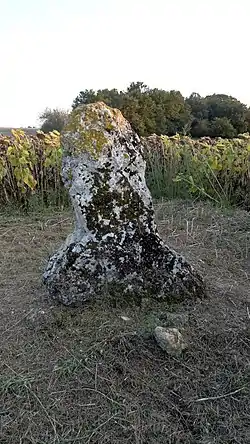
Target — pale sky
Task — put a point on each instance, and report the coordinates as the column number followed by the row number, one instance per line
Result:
column 52, row 49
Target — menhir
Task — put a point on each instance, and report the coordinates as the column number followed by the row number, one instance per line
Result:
column 115, row 248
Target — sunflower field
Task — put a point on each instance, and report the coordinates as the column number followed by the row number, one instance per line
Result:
column 30, row 168
column 183, row 167
column 177, row 167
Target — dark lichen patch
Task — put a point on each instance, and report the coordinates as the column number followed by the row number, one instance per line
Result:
column 71, row 255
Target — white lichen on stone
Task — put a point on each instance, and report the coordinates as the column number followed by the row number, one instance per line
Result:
column 115, row 246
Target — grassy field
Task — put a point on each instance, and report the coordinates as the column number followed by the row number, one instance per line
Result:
column 89, row 376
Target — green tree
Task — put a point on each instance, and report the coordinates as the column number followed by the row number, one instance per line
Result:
column 112, row 97
column 84, row 97
column 148, row 110
column 206, row 111
column 137, row 89
column 221, row 105
column 168, row 112
column 222, row 127
column 172, row 114
column 198, row 106
column 140, row 112
column 53, row 119
column 248, row 120
column 200, row 128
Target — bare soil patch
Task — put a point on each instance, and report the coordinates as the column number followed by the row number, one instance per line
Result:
column 95, row 374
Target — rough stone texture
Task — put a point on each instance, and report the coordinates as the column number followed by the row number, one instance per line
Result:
column 170, row 340
column 115, row 247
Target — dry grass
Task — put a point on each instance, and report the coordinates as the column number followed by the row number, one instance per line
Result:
column 88, row 376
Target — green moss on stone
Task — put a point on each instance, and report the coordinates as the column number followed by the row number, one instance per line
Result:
column 70, row 174
column 88, row 138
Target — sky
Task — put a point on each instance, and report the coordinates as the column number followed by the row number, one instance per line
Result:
column 52, row 49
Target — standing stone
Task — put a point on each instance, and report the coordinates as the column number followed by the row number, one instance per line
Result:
column 115, row 248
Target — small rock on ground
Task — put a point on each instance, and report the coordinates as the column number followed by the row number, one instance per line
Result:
column 170, row 340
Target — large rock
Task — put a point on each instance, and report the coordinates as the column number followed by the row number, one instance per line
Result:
column 115, row 247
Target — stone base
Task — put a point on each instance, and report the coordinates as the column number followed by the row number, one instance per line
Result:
column 145, row 268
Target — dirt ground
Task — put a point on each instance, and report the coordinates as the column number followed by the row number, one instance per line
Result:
column 89, row 376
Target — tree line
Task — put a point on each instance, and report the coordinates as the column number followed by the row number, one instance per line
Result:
column 156, row 111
